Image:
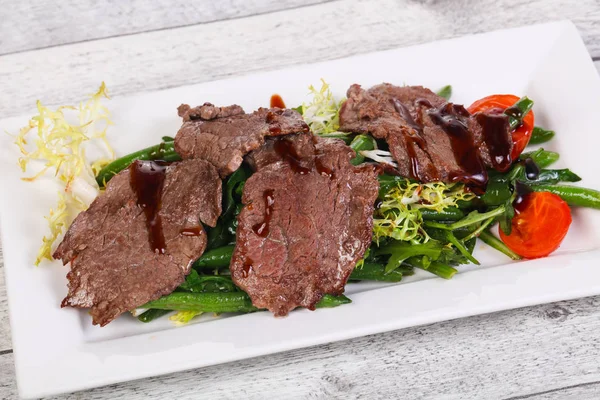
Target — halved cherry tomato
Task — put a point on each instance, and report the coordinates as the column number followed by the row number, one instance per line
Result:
column 501, row 102
column 541, row 222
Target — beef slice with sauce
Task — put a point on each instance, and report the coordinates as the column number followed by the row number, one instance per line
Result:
column 120, row 257
column 430, row 139
column 305, row 223
column 224, row 135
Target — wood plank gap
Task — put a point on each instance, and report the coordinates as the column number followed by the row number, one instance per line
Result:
column 3, row 352
column 528, row 396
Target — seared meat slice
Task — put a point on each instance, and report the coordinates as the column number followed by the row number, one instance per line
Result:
column 307, row 219
column 224, row 135
column 121, row 256
column 430, row 139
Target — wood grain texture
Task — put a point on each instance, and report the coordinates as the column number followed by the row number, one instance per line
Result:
column 199, row 53
column 50, row 23
column 5, row 340
column 528, row 353
column 545, row 352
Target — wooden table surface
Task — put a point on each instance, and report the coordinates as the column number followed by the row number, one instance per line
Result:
column 48, row 50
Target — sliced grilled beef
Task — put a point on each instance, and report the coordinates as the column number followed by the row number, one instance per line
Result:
column 431, row 139
column 307, row 219
column 137, row 241
column 224, row 135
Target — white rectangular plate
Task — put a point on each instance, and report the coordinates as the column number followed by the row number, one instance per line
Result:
column 58, row 350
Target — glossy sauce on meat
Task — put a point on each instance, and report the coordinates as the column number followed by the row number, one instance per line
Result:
column 147, row 179
column 277, row 101
column 413, row 138
column 285, row 149
column 493, row 125
column 262, row 228
column 195, row 231
column 452, row 118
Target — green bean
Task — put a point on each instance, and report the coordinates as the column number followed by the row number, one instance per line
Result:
column 448, row 214
column 401, row 251
column 219, row 257
column 152, row 314
column 574, row 196
column 435, row 267
column 196, row 283
column 478, row 231
column 541, row 157
column 445, row 92
column 540, row 135
column 518, row 111
column 473, row 218
column 329, row 301
column 461, row 247
column 492, row 241
column 552, row 176
column 223, row 302
column 204, row 302
column 375, row 272
column 361, row 142
column 442, row 270
column 163, row 151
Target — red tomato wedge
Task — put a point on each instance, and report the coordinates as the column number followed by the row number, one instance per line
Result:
column 541, row 222
column 501, row 102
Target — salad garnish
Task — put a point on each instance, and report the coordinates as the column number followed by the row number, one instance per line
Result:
column 62, row 142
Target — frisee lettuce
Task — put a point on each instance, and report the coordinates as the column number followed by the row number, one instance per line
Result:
column 322, row 114
column 61, row 145
column 184, row 317
column 399, row 217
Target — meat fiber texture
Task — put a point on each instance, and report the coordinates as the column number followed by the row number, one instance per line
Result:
column 113, row 267
column 307, row 219
column 224, row 135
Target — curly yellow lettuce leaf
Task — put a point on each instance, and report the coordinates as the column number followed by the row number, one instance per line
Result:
column 322, row 114
column 399, row 216
column 59, row 141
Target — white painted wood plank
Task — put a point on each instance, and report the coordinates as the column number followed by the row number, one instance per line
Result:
column 5, row 339
column 199, row 53
column 8, row 385
column 498, row 356
column 35, row 24
column 584, row 391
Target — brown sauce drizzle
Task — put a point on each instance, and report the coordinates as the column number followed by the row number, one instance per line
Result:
column 532, row 170
column 262, row 228
column 415, row 138
column 453, row 119
column 247, row 267
column 515, row 112
column 494, row 127
column 322, row 169
column 286, row 150
column 277, row 101
column 147, row 179
column 195, row 231
column 522, row 191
